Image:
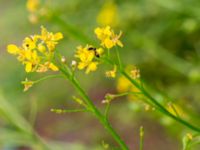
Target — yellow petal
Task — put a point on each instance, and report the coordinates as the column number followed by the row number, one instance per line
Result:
column 28, row 54
column 120, row 43
column 81, row 65
column 44, row 33
column 28, row 67
column 108, row 43
column 100, row 51
column 53, row 67
column 58, row 36
column 91, row 67
column 12, row 49
column 98, row 31
column 41, row 48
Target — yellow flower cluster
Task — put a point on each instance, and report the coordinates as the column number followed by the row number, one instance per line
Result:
column 37, row 51
column 87, row 57
column 88, row 53
column 107, row 37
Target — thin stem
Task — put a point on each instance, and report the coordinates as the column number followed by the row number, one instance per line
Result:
column 48, row 77
column 118, row 57
column 108, row 53
column 141, row 137
column 174, row 109
column 158, row 105
column 107, row 110
column 95, row 111
column 60, row 111
column 127, row 93
column 154, row 101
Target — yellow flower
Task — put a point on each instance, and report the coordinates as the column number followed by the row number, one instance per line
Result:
column 107, row 37
column 32, row 60
column 108, row 14
column 30, row 43
column 49, row 38
column 86, row 59
column 37, row 51
column 27, row 84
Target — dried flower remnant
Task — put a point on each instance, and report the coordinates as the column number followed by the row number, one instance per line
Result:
column 111, row 73
column 108, row 98
column 73, row 64
column 37, row 51
column 27, row 84
column 135, row 73
column 63, row 59
column 107, row 37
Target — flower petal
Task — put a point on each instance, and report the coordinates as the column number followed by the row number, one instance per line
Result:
column 13, row 49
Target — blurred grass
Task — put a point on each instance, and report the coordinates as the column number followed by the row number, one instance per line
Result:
column 161, row 37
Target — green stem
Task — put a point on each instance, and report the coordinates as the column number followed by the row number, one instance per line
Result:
column 48, row 77
column 60, row 111
column 141, row 138
column 154, row 101
column 96, row 112
column 174, row 109
column 158, row 105
column 107, row 110
column 118, row 58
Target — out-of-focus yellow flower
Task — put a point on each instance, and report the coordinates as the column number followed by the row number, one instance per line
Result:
column 107, row 37
column 37, row 9
column 108, row 14
column 27, row 84
column 86, row 57
column 175, row 110
column 190, row 136
column 111, row 73
column 124, row 85
column 33, row 5
column 37, row 51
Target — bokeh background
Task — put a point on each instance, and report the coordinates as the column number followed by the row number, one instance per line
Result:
column 161, row 37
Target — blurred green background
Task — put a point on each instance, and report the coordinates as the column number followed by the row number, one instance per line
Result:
column 161, row 37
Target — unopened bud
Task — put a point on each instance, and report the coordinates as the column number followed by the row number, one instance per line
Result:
column 63, row 59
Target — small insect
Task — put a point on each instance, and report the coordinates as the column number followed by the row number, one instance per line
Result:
column 95, row 51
